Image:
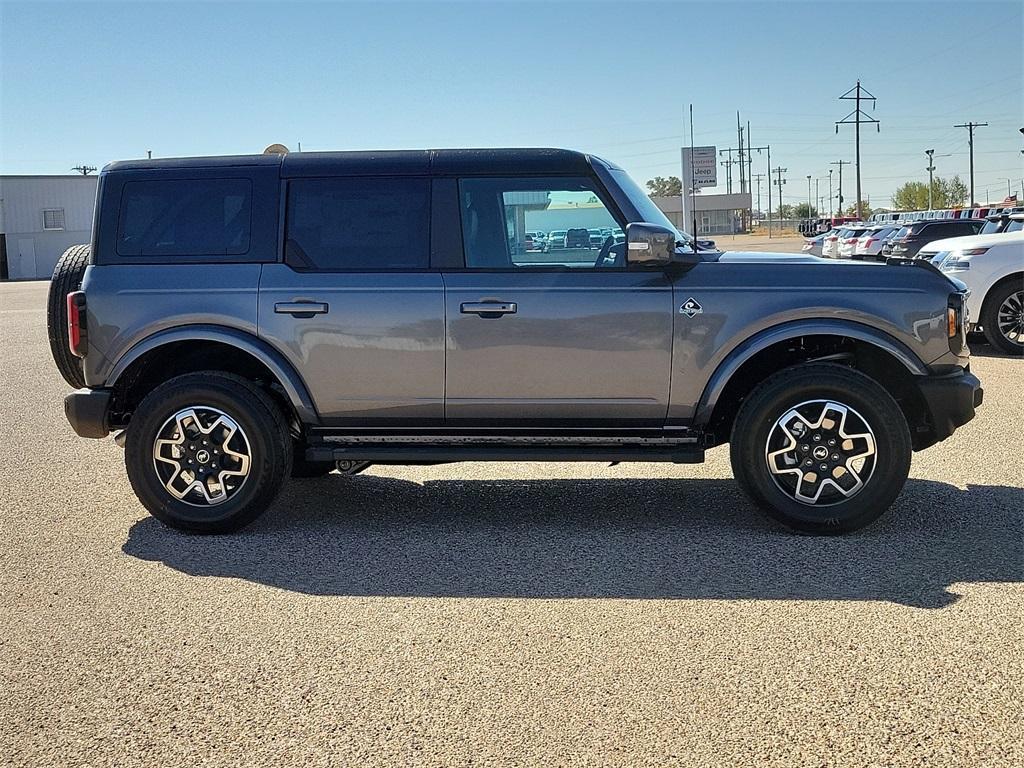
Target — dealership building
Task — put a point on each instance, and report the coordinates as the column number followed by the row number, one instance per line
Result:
column 40, row 217
column 726, row 214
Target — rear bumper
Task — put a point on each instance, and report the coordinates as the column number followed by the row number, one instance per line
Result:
column 86, row 411
column 951, row 400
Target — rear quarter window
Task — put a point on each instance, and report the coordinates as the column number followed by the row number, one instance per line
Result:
column 185, row 217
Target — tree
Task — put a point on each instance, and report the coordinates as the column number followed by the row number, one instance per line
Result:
column 865, row 210
column 913, row 196
column 662, row 187
column 801, row 211
column 785, row 211
column 946, row 193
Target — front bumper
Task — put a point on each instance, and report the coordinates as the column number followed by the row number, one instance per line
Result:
column 951, row 400
column 86, row 410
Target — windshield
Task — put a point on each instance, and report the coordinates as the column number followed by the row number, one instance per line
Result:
column 990, row 228
column 650, row 213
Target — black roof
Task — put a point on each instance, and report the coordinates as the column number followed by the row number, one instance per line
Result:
column 388, row 162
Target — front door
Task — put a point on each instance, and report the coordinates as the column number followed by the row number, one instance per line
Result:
column 563, row 337
column 354, row 307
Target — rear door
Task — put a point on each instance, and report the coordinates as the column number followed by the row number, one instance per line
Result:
column 355, row 306
column 566, row 338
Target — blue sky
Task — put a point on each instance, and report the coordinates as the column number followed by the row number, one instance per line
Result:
column 94, row 82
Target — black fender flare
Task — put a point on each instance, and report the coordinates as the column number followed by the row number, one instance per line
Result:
column 287, row 376
column 791, row 330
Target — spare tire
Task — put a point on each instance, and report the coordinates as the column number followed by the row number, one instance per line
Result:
column 67, row 277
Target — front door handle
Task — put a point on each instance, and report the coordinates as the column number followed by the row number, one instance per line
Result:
column 302, row 309
column 488, row 308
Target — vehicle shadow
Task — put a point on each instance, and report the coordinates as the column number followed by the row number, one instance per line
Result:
column 631, row 539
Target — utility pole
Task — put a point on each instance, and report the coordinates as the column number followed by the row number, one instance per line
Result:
column 779, row 182
column 728, row 164
column 817, row 198
column 809, row 196
column 769, row 191
column 739, row 136
column 859, row 117
column 970, row 126
column 840, row 163
column 930, row 169
column 85, row 170
column 757, row 178
column 830, row 193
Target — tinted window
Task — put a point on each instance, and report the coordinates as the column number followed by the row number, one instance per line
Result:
column 358, row 224
column 497, row 213
column 1015, row 225
column 185, row 217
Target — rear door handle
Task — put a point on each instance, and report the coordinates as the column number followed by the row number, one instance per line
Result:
column 303, row 309
column 488, row 308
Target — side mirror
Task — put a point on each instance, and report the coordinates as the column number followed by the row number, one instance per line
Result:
column 649, row 245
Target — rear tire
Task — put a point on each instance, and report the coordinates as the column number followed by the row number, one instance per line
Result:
column 67, row 277
column 207, row 452
column 821, row 448
column 1005, row 302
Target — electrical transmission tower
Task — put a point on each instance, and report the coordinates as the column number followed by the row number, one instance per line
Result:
column 970, row 126
column 756, row 178
column 857, row 94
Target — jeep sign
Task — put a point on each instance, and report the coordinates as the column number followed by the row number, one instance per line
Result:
column 704, row 168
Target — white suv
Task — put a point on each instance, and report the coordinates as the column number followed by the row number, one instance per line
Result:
column 992, row 266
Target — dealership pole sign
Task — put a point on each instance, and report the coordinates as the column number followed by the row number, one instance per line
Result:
column 700, row 165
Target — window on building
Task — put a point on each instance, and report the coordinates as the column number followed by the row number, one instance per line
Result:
column 358, row 224
column 53, row 218
column 185, row 217
column 532, row 223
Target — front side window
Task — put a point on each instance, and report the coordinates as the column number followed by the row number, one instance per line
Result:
column 358, row 224
column 498, row 214
column 185, row 217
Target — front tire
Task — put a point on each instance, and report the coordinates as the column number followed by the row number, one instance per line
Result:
column 1003, row 317
column 207, row 452
column 821, row 448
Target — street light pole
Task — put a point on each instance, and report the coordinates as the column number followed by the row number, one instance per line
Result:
column 930, row 169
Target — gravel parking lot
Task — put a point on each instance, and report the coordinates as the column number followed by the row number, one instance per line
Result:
column 499, row 614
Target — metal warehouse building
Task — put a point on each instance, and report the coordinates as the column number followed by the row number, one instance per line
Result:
column 40, row 216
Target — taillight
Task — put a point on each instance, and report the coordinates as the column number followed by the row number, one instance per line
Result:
column 869, row 241
column 78, row 339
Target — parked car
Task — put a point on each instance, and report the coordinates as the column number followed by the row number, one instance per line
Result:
column 830, row 244
column 556, row 239
column 923, row 232
column 848, row 240
column 536, row 241
column 315, row 344
column 996, row 223
column 619, row 235
column 892, row 238
column 992, row 267
column 577, row 238
column 812, row 246
column 869, row 244
column 598, row 236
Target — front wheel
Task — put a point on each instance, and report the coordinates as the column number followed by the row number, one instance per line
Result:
column 207, row 452
column 821, row 448
column 1003, row 318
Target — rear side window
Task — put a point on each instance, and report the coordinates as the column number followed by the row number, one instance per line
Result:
column 358, row 224
column 185, row 217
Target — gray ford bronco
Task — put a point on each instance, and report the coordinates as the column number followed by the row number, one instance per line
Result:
column 237, row 320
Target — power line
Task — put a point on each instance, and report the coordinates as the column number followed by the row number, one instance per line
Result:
column 970, row 126
column 858, row 118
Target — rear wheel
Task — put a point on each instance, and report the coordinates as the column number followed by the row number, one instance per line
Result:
column 67, row 277
column 821, row 448
column 207, row 452
column 1003, row 317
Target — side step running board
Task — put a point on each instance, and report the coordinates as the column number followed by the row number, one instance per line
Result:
column 399, row 452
